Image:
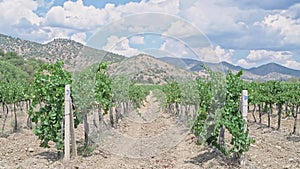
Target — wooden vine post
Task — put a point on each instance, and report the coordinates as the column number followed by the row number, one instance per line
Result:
column 244, row 110
column 69, row 126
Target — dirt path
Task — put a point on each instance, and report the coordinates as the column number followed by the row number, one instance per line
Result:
column 149, row 138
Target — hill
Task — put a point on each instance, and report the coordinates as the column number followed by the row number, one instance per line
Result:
column 147, row 69
column 74, row 54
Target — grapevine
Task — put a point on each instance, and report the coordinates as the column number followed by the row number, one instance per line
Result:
column 103, row 92
column 49, row 84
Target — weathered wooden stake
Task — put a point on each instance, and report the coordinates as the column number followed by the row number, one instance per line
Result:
column 67, row 124
column 72, row 130
column 244, row 110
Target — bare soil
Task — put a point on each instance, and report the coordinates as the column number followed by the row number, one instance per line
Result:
column 272, row 149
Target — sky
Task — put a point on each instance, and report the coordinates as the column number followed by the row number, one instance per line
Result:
column 247, row 33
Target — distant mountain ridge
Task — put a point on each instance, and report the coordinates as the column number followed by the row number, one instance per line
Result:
column 270, row 71
column 274, row 67
column 77, row 56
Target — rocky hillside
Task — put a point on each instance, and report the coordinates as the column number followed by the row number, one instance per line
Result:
column 147, row 69
column 74, row 54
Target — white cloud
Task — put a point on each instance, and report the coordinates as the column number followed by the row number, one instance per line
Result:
column 58, row 33
column 267, row 55
column 12, row 11
column 182, row 28
column 55, row 17
column 79, row 37
column 19, row 18
column 203, row 14
column 170, row 7
column 111, row 42
column 245, row 64
column 158, row 1
column 207, row 54
column 224, row 55
column 120, row 46
column 137, row 40
column 292, row 12
column 292, row 64
column 215, row 55
column 77, row 16
column 231, row 25
column 176, row 48
column 288, row 27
